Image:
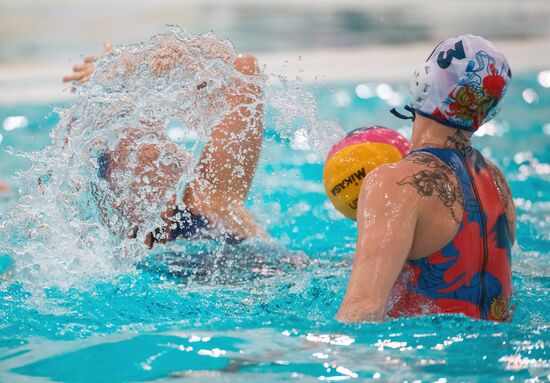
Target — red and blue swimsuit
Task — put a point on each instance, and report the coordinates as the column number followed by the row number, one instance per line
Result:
column 472, row 274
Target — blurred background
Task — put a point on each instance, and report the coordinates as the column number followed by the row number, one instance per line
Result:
column 327, row 40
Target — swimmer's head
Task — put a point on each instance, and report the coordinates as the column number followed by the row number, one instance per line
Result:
column 142, row 172
column 462, row 83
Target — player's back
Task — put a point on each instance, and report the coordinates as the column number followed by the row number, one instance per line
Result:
column 460, row 257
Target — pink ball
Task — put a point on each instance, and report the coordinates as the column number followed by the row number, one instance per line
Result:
column 373, row 134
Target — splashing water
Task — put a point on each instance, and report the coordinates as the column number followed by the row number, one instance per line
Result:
column 72, row 222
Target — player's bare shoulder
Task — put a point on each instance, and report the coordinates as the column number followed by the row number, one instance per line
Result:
column 385, row 178
column 388, row 173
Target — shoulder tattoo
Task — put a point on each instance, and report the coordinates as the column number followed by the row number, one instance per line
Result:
column 438, row 179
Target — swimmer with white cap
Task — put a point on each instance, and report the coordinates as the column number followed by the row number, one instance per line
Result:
column 212, row 204
column 435, row 229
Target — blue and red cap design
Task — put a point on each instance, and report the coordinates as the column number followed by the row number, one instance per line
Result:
column 462, row 83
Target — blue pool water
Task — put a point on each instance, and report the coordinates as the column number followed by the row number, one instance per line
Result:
column 265, row 313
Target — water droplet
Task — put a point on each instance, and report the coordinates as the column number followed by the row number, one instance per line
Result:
column 544, row 78
column 364, row 91
column 342, row 99
column 530, row 96
column 384, row 91
column 15, row 122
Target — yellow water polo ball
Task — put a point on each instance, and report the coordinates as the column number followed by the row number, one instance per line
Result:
column 351, row 159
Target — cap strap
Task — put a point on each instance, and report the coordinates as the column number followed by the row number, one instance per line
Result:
column 402, row 116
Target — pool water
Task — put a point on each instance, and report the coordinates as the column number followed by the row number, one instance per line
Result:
column 265, row 312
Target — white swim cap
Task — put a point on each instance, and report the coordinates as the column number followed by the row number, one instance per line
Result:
column 462, row 83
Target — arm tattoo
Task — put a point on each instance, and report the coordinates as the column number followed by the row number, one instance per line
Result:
column 436, row 178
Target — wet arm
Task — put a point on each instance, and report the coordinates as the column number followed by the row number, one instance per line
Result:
column 228, row 163
column 386, row 221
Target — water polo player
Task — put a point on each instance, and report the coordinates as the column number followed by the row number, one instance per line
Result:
column 212, row 204
column 435, row 229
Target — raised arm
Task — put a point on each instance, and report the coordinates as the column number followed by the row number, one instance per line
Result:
column 227, row 165
column 229, row 159
column 387, row 214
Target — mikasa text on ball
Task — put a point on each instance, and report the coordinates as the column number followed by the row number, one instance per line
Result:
column 351, row 159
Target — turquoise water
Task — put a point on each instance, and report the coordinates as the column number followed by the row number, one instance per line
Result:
column 265, row 313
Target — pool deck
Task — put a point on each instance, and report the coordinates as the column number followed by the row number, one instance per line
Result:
column 41, row 82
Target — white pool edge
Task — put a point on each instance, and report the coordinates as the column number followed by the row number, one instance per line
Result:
column 41, row 82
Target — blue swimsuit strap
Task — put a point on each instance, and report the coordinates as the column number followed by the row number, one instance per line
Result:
column 189, row 225
column 193, row 226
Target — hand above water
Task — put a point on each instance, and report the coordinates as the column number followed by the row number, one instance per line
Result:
column 82, row 72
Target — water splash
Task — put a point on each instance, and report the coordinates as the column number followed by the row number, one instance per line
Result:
column 73, row 218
